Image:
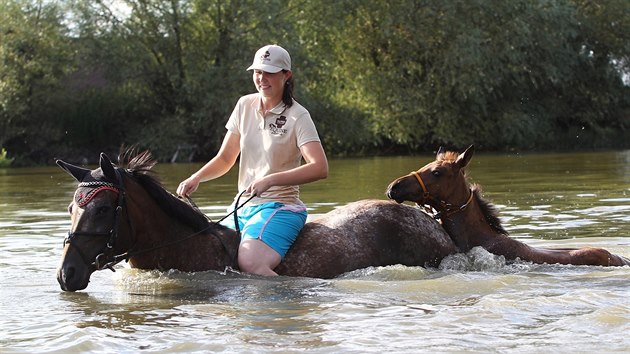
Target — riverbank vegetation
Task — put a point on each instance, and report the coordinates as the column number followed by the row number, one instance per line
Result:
column 81, row 76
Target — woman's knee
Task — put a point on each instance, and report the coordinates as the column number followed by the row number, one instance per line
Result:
column 256, row 257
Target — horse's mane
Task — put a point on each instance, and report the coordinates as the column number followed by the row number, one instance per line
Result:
column 139, row 165
column 447, row 156
column 489, row 211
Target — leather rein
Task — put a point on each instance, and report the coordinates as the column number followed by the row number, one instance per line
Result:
column 442, row 207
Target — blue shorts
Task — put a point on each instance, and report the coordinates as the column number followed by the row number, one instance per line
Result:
column 275, row 224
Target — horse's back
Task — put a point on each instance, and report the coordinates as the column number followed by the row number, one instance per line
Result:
column 366, row 233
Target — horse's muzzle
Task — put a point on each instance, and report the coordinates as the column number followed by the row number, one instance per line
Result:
column 394, row 193
column 70, row 279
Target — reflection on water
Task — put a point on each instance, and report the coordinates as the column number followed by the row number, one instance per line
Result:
column 472, row 302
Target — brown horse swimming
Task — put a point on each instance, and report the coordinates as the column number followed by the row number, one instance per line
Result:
column 472, row 221
column 125, row 214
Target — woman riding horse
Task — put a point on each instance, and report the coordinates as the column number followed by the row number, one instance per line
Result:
column 125, row 214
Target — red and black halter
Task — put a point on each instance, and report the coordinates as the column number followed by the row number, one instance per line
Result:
column 105, row 258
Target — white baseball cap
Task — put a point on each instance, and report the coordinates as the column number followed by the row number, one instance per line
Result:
column 272, row 59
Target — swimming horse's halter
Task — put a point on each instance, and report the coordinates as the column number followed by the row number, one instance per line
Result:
column 444, row 208
column 102, row 261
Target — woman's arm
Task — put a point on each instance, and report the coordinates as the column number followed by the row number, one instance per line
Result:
column 217, row 167
column 315, row 168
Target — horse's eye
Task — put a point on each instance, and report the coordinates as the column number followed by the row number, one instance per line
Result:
column 70, row 208
column 436, row 173
column 102, row 210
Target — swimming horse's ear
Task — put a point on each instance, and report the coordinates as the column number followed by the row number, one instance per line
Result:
column 464, row 158
column 77, row 172
column 108, row 168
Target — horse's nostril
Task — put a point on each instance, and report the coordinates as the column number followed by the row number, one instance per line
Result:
column 70, row 273
column 66, row 274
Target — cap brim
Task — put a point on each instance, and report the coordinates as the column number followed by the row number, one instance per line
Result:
column 265, row 68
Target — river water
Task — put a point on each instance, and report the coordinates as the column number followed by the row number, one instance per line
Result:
column 473, row 302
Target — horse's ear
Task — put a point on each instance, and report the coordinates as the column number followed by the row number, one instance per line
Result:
column 77, row 172
column 108, row 168
column 464, row 158
column 440, row 151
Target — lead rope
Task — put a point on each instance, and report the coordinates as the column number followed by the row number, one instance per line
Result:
column 236, row 207
column 236, row 223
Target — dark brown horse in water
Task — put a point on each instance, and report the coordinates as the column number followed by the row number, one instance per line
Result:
column 125, row 214
column 472, row 221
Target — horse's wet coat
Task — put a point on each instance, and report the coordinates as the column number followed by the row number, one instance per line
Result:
column 156, row 230
column 366, row 233
column 472, row 221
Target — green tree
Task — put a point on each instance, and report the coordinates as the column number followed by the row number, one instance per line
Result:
column 81, row 76
column 500, row 74
column 34, row 57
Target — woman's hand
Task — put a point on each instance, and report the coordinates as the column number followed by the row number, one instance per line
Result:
column 315, row 168
column 188, row 186
column 260, row 185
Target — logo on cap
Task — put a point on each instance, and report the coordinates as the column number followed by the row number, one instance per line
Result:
column 265, row 57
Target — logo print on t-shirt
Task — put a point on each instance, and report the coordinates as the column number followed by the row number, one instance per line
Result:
column 276, row 128
column 281, row 121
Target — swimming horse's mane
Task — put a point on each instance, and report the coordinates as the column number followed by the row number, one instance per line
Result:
column 489, row 210
column 139, row 166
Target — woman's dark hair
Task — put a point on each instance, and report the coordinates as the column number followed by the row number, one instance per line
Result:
column 287, row 93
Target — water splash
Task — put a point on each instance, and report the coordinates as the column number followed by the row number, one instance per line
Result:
column 477, row 259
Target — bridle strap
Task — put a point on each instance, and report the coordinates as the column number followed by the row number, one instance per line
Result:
column 102, row 260
column 446, row 209
column 425, row 191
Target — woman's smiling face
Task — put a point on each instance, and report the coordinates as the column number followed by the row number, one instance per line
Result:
column 270, row 85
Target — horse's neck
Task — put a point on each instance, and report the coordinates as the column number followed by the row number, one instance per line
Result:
column 178, row 246
column 469, row 228
column 157, row 227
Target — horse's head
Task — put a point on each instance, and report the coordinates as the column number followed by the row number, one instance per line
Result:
column 440, row 184
column 93, row 242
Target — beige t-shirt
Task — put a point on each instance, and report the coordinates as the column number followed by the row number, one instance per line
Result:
column 270, row 143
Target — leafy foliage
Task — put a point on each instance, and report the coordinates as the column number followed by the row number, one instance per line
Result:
column 79, row 77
